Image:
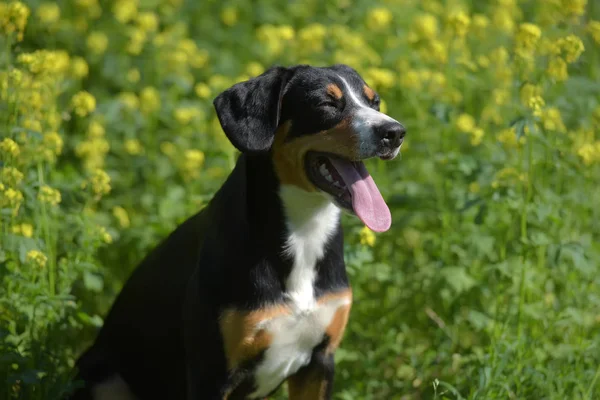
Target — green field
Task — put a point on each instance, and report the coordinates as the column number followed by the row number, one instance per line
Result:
column 486, row 287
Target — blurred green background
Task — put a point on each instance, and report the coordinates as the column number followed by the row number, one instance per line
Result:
column 486, row 287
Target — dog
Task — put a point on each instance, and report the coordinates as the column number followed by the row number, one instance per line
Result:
column 252, row 290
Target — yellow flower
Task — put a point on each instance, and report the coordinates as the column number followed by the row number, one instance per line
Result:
column 137, row 38
column 552, row 120
column 23, row 229
column 49, row 195
column 83, row 103
column 477, row 136
column 202, row 90
column 465, row 123
column 37, row 257
column 79, row 67
column 254, row 68
column 590, row 153
column 147, row 21
column 130, row 100
column 133, row 75
column 425, row 27
column 593, row 27
column 95, row 129
column 575, row 8
column 503, row 19
column 459, row 22
column 48, row 13
column 557, row 69
column 185, row 115
column 168, row 148
column 9, row 147
column 367, row 237
column 53, row 142
column 527, row 39
column 383, row 106
column 104, row 235
column 11, row 175
column 531, row 97
column 229, row 16
column 99, row 181
column 572, row 47
column 122, row 216
column 480, row 23
column 97, row 42
column 380, row 78
column 125, row 10
column 286, row 32
column 133, row 146
column 13, row 18
column 379, row 18
column 13, row 198
column 149, row 100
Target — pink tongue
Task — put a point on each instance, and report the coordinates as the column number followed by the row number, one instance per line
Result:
column 366, row 199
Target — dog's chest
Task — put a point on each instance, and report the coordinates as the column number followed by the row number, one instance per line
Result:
column 283, row 336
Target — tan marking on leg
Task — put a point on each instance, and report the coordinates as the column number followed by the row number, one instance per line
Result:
column 242, row 339
column 113, row 389
column 334, row 90
column 288, row 156
column 369, row 92
column 336, row 328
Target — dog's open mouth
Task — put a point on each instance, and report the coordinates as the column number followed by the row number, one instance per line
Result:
column 351, row 186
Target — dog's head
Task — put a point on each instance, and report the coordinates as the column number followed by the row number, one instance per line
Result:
column 318, row 124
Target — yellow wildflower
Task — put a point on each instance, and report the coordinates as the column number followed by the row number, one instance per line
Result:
column 104, row 235
column 229, row 16
column 23, row 229
column 574, row 8
column 480, row 23
column 83, row 103
column 425, row 27
column 590, row 153
column 130, row 100
column 122, row 216
column 49, row 195
column 254, row 68
column 97, row 42
column 557, row 69
column 202, row 90
column 593, row 27
column 133, row 146
column 503, row 19
column 53, row 143
column 572, row 47
column 477, row 136
column 185, row 115
column 465, row 123
column 10, row 147
column 147, row 21
column 48, row 13
column 11, row 175
column 459, row 22
column 95, row 129
column 380, row 78
column 149, row 100
column 13, row 198
column 79, row 67
column 168, row 148
column 133, row 75
column 379, row 18
column 367, row 237
column 125, row 10
column 99, row 181
column 137, row 38
column 552, row 120
column 37, row 257
column 14, row 18
column 527, row 39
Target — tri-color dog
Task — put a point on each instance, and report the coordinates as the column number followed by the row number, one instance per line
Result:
column 252, row 290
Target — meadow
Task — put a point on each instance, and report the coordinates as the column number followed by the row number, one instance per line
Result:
column 486, row 287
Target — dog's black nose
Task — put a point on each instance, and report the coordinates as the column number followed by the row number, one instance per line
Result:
column 391, row 133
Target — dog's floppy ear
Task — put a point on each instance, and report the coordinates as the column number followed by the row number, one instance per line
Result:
column 249, row 111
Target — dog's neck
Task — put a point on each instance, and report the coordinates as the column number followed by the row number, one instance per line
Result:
column 303, row 223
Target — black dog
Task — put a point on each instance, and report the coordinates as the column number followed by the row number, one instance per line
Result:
column 252, row 290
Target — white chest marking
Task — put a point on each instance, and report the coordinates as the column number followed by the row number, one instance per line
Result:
column 294, row 336
column 311, row 220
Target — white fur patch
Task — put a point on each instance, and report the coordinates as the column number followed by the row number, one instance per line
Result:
column 113, row 389
column 311, row 220
column 364, row 120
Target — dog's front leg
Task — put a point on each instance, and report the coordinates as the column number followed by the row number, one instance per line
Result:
column 314, row 381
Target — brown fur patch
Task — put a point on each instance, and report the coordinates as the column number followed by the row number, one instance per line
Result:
column 288, row 156
column 240, row 338
column 306, row 387
column 334, row 90
column 369, row 92
column 337, row 326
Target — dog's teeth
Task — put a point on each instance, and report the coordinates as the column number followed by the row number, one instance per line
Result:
column 329, row 178
column 323, row 170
